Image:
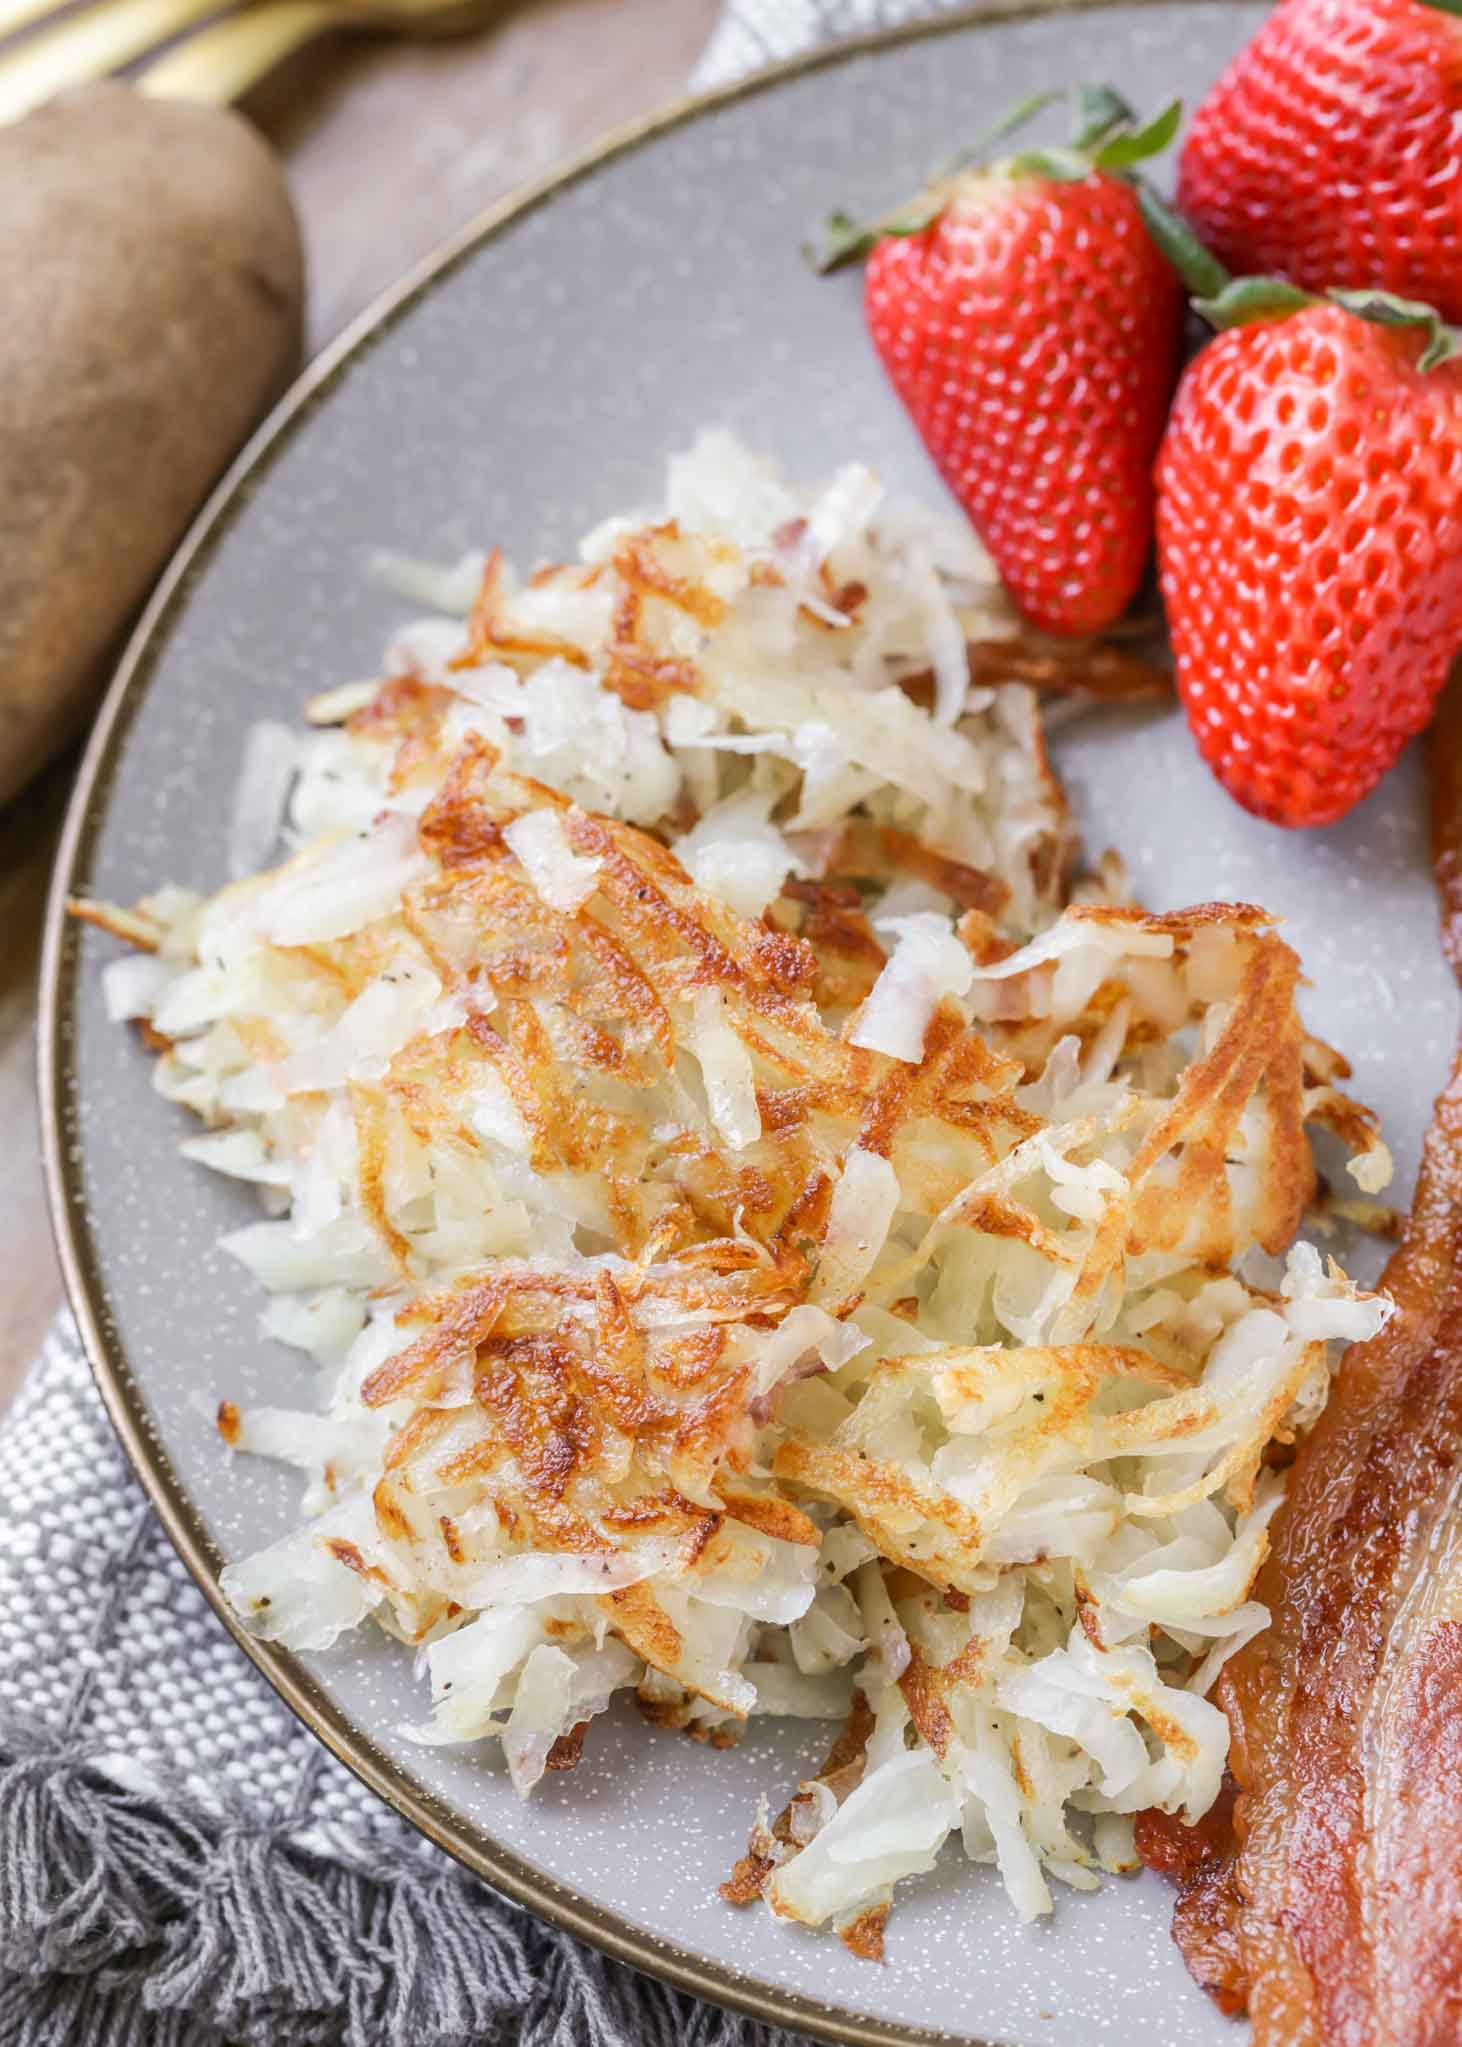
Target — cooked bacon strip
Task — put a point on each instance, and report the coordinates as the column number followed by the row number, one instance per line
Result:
column 1334, row 1909
column 1201, row 1861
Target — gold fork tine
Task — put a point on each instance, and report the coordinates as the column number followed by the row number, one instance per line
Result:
column 100, row 39
column 225, row 59
column 18, row 14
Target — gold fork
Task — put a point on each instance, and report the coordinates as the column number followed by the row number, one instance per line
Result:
column 218, row 63
column 226, row 59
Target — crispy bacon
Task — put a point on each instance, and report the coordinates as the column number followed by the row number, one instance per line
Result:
column 1332, row 1906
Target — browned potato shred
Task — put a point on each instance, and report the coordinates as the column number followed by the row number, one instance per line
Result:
column 767, row 1255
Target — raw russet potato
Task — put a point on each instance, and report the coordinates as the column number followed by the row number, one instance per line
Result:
column 154, row 287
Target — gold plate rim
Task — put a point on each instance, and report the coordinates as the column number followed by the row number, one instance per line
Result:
column 121, row 1393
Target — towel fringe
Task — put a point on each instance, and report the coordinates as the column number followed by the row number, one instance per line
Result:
column 218, row 1929
column 86, row 1872
column 86, row 2011
column 124, row 1923
column 585, row 2000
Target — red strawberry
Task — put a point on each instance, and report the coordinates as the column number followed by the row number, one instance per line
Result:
column 1309, row 533
column 1328, row 151
column 1031, row 326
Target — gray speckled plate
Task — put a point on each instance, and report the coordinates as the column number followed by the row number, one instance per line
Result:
column 533, row 382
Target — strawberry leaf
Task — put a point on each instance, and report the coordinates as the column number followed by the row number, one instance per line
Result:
column 1444, row 6
column 1013, row 118
column 1385, row 309
column 1107, row 139
column 1098, row 111
column 1135, row 145
column 1201, row 272
column 1245, row 299
column 844, row 238
column 1066, row 166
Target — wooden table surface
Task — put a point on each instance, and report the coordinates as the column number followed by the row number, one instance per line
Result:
column 390, row 146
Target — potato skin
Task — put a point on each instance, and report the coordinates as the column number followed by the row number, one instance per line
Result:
column 154, row 295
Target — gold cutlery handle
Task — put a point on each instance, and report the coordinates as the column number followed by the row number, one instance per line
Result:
column 18, row 14
column 87, row 45
column 222, row 62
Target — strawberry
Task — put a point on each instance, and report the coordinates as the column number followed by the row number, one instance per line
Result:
column 1328, row 151
column 1031, row 327
column 1309, row 538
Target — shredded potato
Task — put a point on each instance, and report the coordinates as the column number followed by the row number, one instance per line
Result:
column 764, row 1253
